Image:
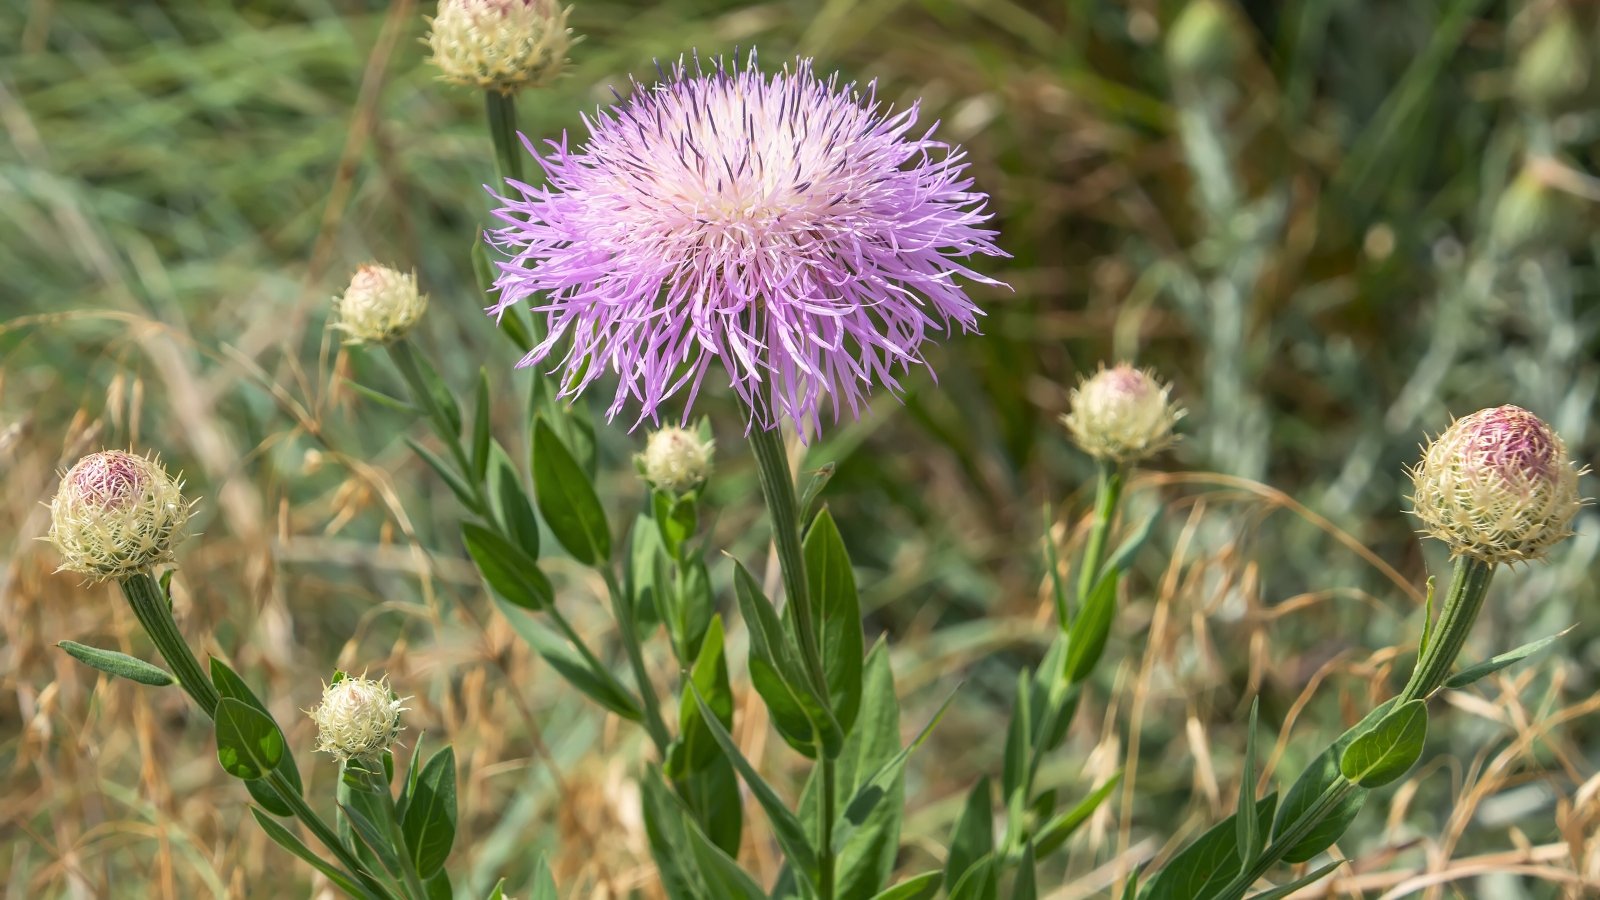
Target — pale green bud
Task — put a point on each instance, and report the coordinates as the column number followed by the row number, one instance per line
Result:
column 381, row 305
column 116, row 514
column 358, row 718
column 1122, row 414
column 676, row 460
column 501, row 45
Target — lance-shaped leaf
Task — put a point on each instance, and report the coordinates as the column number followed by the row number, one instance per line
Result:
column 696, row 749
column 1287, row 890
column 120, row 664
column 1209, row 863
column 836, row 617
column 582, row 672
column 249, row 744
column 567, row 499
column 917, row 887
column 429, row 824
column 800, row 714
column 1390, row 750
column 1494, row 664
column 284, row 838
column 973, row 840
column 229, row 684
column 1057, row 830
column 509, row 504
column 1251, row 837
column 667, row 825
column 1322, row 772
column 512, row 574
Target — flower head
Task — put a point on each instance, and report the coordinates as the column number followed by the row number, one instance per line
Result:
column 380, row 305
column 1122, row 414
column 116, row 514
column 1497, row 485
column 500, row 45
column 789, row 227
column 676, row 460
column 358, row 718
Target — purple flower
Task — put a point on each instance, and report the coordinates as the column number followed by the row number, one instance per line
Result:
column 791, row 228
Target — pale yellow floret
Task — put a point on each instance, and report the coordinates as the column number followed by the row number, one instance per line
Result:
column 358, row 718
column 1497, row 485
column 501, row 45
column 1122, row 414
column 676, row 460
column 116, row 514
column 380, row 305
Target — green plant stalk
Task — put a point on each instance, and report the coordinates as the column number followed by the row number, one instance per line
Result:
column 1469, row 585
column 623, row 611
column 149, row 603
column 502, row 114
column 405, row 359
column 397, row 838
column 1108, row 492
column 777, row 487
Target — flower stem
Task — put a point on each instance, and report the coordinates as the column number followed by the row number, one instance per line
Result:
column 502, row 112
column 1108, row 491
column 777, row 487
column 623, row 610
column 149, row 603
column 1468, row 587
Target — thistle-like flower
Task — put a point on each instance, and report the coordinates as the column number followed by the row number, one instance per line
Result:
column 1122, row 414
column 501, row 45
column 789, row 227
column 116, row 514
column 1497, row 485
column 381, row 305
column 676, row 460
column 358, row 718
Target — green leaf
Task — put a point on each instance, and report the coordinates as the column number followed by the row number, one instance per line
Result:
column 438, row 887
column 1057, row 830
column 798, row 713
column 917, row 887
column 513, row 575
column 1087, row 639
column 1025, row 887
column 120, row 664
column 1322, row 772
column 1388, row 751
column 667, row 826
column 286, row 839
column 498, row 892
column 696, row 748
column 973, row 840
column 879, row 786
column 544, row 883
column 791, row 836
column 813, row 490
column 1019, row 741
column 689, row 604
column 712, row 796
column 1494, row 664
column 457, row 484
column 649, row 577
column 1209, row 863
column 836, row 617
column 868, row 844
column 1251, row 838
column 509, row 505
column 427, row 388
column 676, row 519
column 429, row 824
column 1052, row 567
column 229, row 684
column 1285, row 890
column 567, row 499
column 374, row 838
column 408, row 787
column 380, row 398
column 982, row 881
column 249, row 744
column 480, row 428
column 726, row 880
column 598, row 684
column 1120, row 560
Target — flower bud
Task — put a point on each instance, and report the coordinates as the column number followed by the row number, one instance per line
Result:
column 1122, row 414
column 358, row 719
column 676, row 460
column 1497, row 485
column 1554, row 68
column 501, row 45
column 116, row 514
column 1203, row 41
column 380, row 306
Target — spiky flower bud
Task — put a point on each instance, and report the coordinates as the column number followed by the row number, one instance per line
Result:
column 1122, row 414
column 116, row 514
column 1497, row 485
column 358, row 719
column 380, row 305
column 501, row 45
column 676, row 460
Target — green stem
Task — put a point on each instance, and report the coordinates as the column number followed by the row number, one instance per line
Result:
column 1108, row 491
column 405, row 359
column 502, row 112
column 777, row 487
column 1468, row 588
column 623, row 610
column 149, row 603
column 397, row 837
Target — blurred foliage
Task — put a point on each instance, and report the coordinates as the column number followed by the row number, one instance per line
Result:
column 1333, row 224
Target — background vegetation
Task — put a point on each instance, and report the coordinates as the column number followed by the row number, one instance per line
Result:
column 1333, row 224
